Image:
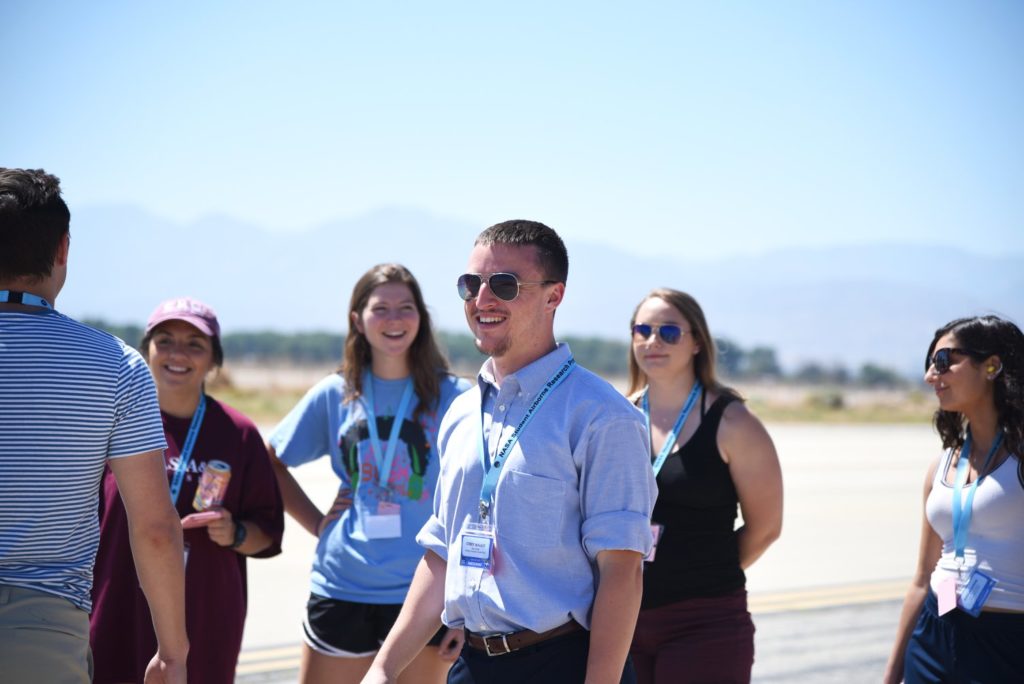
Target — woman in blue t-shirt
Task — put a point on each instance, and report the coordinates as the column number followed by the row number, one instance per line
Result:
column 377, row 420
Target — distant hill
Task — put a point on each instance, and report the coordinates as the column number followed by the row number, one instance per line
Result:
column 851, row 305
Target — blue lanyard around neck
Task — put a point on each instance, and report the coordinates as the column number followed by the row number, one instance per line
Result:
column 186, row 450
column 15, row 297
column 670, row 439
column 493, row 468
column 962, row 514
column 384, row 458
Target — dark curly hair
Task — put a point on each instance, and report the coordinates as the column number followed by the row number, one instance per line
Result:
column 981, row 337
column 426, row 362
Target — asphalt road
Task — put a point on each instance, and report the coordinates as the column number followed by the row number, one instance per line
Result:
column 825, row 598
column 834, row 644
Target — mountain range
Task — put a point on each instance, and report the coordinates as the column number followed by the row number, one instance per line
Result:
column 847, row 305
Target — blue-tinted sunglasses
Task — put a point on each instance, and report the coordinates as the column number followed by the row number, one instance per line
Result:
column 669, row 334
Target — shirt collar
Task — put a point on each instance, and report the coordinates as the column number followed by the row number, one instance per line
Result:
column 531, row 377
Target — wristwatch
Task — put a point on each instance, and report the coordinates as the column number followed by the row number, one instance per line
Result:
column 240, row 534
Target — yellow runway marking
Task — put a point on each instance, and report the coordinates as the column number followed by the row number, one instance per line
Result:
column 269, row 653
column 270, row 666
column 278, row 659
column 827, row 597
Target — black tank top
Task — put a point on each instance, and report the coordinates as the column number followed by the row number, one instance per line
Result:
column 698, row 553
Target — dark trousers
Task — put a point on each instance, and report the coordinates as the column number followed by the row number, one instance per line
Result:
column 695, row 641
column 561, row 660
column 959, row 648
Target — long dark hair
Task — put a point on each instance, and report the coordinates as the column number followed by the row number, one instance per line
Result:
column 981, row 337
column 426, row 362
column 703, row 361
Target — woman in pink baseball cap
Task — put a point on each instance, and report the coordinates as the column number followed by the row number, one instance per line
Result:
column 224, row 487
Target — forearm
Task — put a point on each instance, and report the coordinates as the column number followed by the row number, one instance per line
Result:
column 616, row 606
column 754, row 541
column 912, row 604
column 159, row 561
column 296, row 503
column 154, row 531
column 419, row 619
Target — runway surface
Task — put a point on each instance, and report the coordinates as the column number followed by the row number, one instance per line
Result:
column 825, row 598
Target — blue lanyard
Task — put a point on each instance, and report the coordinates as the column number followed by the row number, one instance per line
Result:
column 962, row 514
column 383, row 458
column 15, row 297
column 493, row 469
column 670, row 439
column 186, row 450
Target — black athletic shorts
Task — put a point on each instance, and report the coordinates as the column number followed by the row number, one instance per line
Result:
column 350, row 630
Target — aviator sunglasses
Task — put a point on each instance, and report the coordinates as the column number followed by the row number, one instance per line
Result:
column 669, row 334
column 504, row 286
column 942, row 359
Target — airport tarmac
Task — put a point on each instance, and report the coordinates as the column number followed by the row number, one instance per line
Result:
column 825, row 597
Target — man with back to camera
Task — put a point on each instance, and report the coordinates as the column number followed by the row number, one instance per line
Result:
column 542, row 511
column 72, row 399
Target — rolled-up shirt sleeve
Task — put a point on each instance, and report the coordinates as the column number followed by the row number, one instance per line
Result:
column 617, row 489
column 432, row 537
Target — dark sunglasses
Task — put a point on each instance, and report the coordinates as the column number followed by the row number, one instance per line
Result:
column 505, row 286
column 942, row 359
column 669, row 334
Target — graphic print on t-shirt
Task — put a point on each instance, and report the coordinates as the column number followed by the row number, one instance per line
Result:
column 412, row 455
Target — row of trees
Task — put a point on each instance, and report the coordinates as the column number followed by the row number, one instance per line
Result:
column 606, row 357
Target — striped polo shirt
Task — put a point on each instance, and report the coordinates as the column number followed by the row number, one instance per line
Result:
column 70, row 398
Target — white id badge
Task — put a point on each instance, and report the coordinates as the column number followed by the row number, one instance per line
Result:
column 477, row 545
column 656, row 531
column 386, row 523
column 972, row 596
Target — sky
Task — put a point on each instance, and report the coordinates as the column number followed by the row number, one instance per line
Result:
column 691, row 129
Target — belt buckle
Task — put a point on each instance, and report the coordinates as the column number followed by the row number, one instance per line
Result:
column 504, row 642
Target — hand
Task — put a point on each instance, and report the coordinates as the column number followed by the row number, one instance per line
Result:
column 165, row 671
column 451, row 645
column 892, row 676
column 222, row 530
column 342, row 503
column 375, row 676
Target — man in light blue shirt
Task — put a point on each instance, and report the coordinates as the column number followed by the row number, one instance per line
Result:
column 542, row 512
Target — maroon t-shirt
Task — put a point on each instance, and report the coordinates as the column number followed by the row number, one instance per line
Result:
column 121, row 630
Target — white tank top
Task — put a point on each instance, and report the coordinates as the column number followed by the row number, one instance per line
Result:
column 995, row 540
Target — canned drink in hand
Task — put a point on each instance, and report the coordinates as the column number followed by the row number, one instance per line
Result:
column 212, row 485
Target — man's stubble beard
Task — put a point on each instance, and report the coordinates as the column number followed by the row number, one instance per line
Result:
column 499, row 350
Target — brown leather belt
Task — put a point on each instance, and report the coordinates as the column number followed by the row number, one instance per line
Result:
column 500, row 644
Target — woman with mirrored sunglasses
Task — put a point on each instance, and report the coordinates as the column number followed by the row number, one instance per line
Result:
column 711, row 457
column 963, row 615
column 377, row 420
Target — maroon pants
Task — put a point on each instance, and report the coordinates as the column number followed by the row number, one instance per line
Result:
column 696, row 640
